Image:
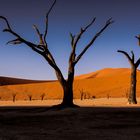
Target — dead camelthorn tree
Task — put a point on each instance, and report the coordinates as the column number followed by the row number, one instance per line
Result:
column 42, row 49
column 42, row 96
column 134, row 66
column 14, row 97
column 82, row 93
column 30, row 97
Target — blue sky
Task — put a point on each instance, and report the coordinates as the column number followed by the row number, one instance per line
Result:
column 68, row 16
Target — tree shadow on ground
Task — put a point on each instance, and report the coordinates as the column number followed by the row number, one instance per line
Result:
column 37, row 123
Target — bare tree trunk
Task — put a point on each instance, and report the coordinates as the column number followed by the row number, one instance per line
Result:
column 68, row 94
column 132, row 94
column 134, row 66
column 67, row 86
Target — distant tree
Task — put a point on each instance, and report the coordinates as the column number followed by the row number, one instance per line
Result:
column 108, row 96
column 126, row 93
column 42, row 96
column 30, row 97
column 42, row 49
column 93, row 97
column 81, row 93
column 134, row 66
column 14, row 96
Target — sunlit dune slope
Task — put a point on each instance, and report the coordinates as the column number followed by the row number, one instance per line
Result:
column 103, row 83
column 107, row 72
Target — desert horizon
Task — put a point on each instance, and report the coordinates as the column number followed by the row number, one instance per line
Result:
column 105, row 83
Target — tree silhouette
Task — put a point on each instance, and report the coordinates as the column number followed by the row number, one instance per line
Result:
column 42, row 49
column 30, row 97
column 14, row 96
column 134, row 66
column 42, row 96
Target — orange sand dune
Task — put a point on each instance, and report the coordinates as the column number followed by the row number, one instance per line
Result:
column 103, row 83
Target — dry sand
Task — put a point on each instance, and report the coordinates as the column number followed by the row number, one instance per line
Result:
column 99, row 102
column 84, row 123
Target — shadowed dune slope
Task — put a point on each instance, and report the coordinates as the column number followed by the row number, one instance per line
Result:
column 15, row 81
column 103, row 83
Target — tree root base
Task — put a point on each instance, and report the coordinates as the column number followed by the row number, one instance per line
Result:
column 132, row 103
column 63, row 106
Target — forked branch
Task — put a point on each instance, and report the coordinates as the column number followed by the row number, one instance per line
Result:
column 108, row 22
column 19, row 39
column 133, row 57
column 137, row 63
column 127, row 55
column 83, row 30
column 39, row 35
column 75, row 40
column 131, row 60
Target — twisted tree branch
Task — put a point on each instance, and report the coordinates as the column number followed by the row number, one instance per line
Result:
column 83, row 30
column 40, row 49
column 137, row 63
column 127, row 56
column 108, row 22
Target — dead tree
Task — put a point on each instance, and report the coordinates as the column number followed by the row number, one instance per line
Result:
column 108, row 96
column 14, row 97
column 42, row 49
column 42, row 96
column 133, row 80
column 30, row 97
column 81, row 93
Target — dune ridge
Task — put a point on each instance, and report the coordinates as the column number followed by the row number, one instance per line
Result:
column 105, row 83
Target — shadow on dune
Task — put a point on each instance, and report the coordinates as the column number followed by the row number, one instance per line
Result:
column 17, row 81
column 43, row 123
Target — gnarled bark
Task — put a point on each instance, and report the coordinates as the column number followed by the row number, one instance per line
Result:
column 133, row 79
column 132, row 94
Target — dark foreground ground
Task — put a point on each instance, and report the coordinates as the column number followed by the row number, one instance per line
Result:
column 39, row 123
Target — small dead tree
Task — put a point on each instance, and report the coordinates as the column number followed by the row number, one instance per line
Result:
column 14, row 96
column 42, row 49
column 93, row 97
column 30, row 97
column 127, row 93
column 88, row 95
column 42, row 96
column 81, row 93
column 108, row 96
column 134, row 66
